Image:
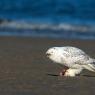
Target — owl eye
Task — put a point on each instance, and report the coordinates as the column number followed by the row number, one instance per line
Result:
column 54, row 48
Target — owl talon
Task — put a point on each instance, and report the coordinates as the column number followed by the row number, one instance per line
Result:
column 62, row 73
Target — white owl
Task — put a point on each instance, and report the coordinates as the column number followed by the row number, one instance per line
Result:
column 74, row 59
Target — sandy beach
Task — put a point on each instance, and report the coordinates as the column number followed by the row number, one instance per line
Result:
column 25, row 70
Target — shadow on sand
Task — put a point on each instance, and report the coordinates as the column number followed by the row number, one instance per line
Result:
column 77, row 75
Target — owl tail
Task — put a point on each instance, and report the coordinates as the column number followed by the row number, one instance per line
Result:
column 90, row 67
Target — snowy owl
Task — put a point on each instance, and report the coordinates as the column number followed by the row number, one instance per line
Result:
column 74, row 59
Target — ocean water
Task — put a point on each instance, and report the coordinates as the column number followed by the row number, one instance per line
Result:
column 69, row 19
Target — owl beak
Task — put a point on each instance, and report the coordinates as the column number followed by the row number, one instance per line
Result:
column 48, row 54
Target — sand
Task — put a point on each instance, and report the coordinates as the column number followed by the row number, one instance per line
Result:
column 25, row 70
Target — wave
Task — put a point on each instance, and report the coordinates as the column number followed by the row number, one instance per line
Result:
column 61, row 30
column 45, row 26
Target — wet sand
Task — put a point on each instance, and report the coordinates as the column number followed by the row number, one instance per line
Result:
column 25, row 70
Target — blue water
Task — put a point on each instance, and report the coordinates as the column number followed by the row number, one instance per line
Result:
column 71, row 19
